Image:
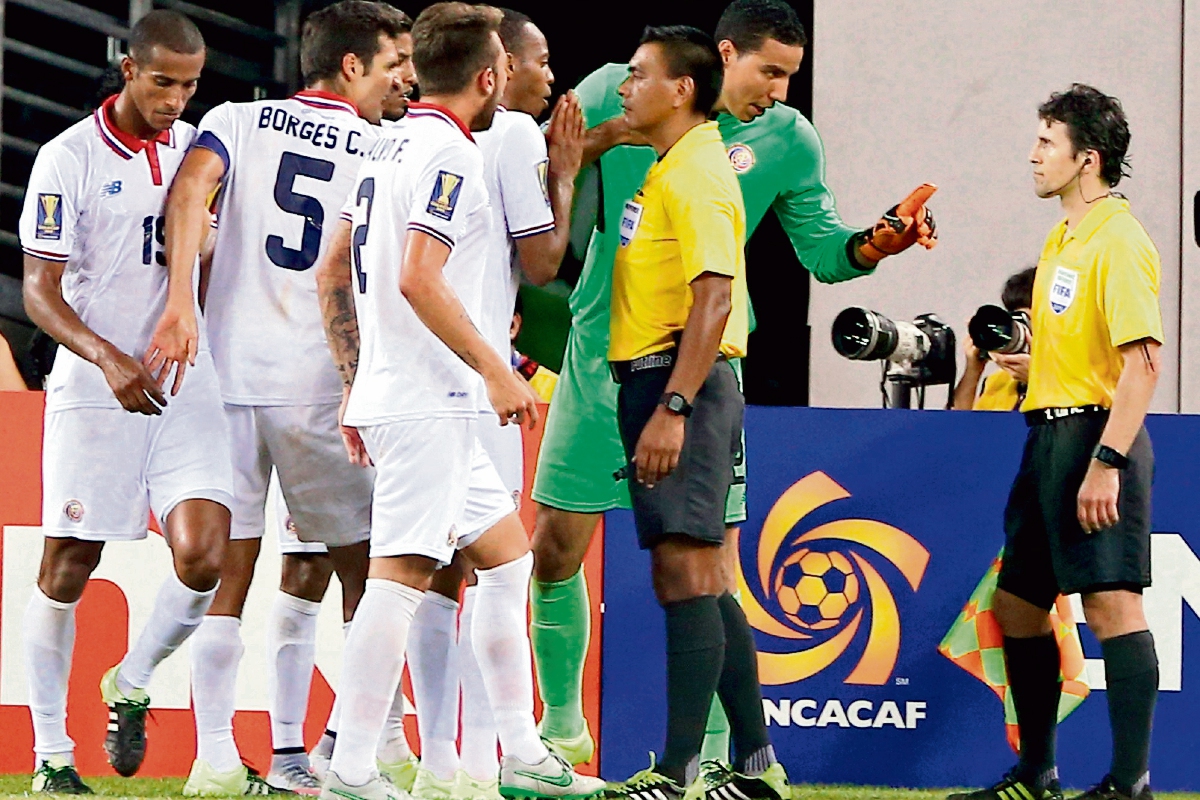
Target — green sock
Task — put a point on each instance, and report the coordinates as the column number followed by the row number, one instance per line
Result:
column 716, row 734
column 559, row 633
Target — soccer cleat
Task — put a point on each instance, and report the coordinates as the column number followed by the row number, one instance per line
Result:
column 56, row 775
column 290, row 772
column 125, row 742
column 428, row 786
column 204, row 781
column 552, row 777
column 378, row 788
column 467, row 788
column 402, row 773
column 719, row 782
column 1010, row 788
column 1107, row 790
column 577, row 750
column 648, row 785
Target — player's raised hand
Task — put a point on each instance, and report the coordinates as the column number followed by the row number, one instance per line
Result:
column 131, row 383
column 565, row 136
column 512, row 398
column 173, row 344
column 907, row 223
column 356, row 450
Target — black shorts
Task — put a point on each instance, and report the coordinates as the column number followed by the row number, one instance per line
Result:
column 691, row 500
column 1046, row 551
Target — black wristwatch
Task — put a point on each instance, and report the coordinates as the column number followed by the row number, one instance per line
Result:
column 676, row 404
column 1110, row 457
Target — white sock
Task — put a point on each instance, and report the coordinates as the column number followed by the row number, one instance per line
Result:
column 373, row 661
column 478, row 750
column 431, row 646
column 216, row 650
column 177, row 612
column 48, row 632
column 291, row 652
column 393, row 744
column 500, row 638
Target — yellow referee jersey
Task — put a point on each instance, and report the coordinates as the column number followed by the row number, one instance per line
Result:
column 686, row 220
column 1096, row 289
column 1001, row 392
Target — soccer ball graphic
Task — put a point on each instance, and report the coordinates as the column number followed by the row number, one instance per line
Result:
column 815, row 589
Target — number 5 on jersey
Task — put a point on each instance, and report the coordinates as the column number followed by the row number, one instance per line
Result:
column 366, row 191
column 292, row 165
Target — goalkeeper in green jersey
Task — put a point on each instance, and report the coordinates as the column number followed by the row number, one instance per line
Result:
column 779, row 160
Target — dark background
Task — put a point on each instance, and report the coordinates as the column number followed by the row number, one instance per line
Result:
column 582, row 37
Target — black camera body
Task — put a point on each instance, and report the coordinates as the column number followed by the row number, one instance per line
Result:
column 997, row 330
column 915, row 354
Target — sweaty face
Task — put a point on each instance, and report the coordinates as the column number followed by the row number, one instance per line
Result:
column 371, row 87
column 162, row 86
column 395, row 105
column 649, row 95
column 1055, row 163
column 755, row 81
column 530, row 78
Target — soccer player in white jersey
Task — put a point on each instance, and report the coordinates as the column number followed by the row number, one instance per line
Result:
column 530, row 187
column 421, row 223
column 115, row 447
column 283, row 166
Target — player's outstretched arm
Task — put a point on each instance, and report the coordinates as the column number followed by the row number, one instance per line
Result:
column 907, row 223
column 128, row 378
column 542, row 254
column 437, row 306
column 176, row 336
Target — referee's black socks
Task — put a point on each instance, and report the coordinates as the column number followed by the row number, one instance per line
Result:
column 741, row 694
column 1131, row 675
column 1034, row 680
column 695, row 656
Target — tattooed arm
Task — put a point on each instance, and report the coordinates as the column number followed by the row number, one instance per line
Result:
column 335, row 291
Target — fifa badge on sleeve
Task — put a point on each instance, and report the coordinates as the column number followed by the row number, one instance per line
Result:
column 49, row 216
column 445, row 195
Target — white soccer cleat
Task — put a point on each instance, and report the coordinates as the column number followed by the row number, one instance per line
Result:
column 552, row 777
column 467, row 788
column 378, row 788
column 427, row 786
column 291, row 773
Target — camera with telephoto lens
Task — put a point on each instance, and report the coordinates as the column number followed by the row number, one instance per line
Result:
column 914, row 354
column 996, row 330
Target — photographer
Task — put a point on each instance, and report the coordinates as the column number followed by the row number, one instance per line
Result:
column 1005, row 389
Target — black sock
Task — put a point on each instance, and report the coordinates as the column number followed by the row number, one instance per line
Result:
column 695, row 652
column 1131, row 672
column 741, row 694
column 1033, row 679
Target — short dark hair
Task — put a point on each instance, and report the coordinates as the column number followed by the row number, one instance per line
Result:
column 1018, row 289
column 513, row 29
column 749, row 23
column 167, row 29
column 691, row 53
column 1095, row 121
column 450, row 45
column 348, row 26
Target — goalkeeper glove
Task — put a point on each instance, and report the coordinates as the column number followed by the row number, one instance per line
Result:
column 904, row 225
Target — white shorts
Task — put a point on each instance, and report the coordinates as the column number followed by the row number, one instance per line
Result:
column 505, row 446
column 329, row 498
column 280, row 520
column 435, row 488
column 105, row 469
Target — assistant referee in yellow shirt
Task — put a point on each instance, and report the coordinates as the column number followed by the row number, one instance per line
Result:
column 680, row 309
column 1078, row 517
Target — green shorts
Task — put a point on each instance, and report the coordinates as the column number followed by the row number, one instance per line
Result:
column 581, row 444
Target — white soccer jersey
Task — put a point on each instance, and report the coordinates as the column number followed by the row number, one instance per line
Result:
column 289, row 165
column 424, row 174
column 95, row 202
column 515, row 169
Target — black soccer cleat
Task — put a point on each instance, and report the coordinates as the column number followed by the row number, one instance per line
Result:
column 1107, row 790
column 125, row 741
column 720, row 782
column 645, row 785
column 58, row 779
column 1010, row 788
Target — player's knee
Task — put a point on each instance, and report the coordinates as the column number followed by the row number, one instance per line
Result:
column 199, row 569
column 1114, row 613
column 556, row 553
column 64, row 574
column 1019, row 617
column 306, row 575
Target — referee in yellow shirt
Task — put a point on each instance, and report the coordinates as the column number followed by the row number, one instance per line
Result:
column 1078, row 517
column 679, row 311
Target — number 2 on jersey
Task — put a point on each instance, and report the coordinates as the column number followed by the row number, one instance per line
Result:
column 291, row 165
column 366, row 191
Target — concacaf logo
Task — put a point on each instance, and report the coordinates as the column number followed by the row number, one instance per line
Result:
column 819, row 589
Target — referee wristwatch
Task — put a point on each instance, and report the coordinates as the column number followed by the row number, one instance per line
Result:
column 676, row 404
column 1110, row 457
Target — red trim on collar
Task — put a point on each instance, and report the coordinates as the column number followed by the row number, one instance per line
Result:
column 328, row 97
column 107, row 117
column 440, row 110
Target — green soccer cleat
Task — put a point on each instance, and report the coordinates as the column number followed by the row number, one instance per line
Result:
column 56, row 775
column 1107, row 790
column 552, row 777
column 650, row 785
column 403, row 773
column 427, row 786
column 204, row 781
column 1010, row 788
column 125, row 742
column 719, row 782
column 577, row 750
column 467, row 788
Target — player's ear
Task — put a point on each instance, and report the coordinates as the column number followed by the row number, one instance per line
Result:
column 728, row 52
column 352, row 66
column 685, row 90
column 485, row 81
column 510, row 65
column 127, row 68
